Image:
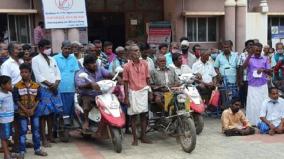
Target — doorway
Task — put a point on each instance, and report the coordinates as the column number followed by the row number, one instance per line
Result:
column 107, row 27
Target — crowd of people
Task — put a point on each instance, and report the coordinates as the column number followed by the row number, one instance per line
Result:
column 37, row 86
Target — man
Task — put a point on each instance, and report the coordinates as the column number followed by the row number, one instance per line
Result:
column 272, row 114
column 234, row 122
column 145, row 51
column 39, row 33
column 136, row 85
column 187, row 57
column 88, row 88
column 208, row 75
column 257, row 67
column 4, row 55
column 68, row 65
column 178, row 66
column 162, row 78
column 163, row 49
column 76, row 50
column 174, row 48
column 279, row 54
column 47, row 74
column 196, row 50
column 242, row 73
column 107, row 56
column 11, row 66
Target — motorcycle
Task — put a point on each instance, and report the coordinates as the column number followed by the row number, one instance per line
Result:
column 174, row 120
column 195, row 101
column 107, row 112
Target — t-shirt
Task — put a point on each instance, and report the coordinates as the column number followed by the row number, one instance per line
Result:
column 6, row 107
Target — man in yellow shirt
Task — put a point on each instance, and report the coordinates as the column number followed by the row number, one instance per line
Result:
column 234, row 122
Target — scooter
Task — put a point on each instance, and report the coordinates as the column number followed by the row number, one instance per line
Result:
column 197, row 106
column 107, row 112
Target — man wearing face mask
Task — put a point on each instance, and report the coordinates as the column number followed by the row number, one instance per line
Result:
column 174, row 48
column 3, row 53
column 277, row 58
column 272, row 114
column 234, row 122
column 68, row 65
column 47, row 74
column 187, row 57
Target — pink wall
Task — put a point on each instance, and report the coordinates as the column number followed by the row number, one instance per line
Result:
column 276, row 5
column 204, row 5
column 15, row 4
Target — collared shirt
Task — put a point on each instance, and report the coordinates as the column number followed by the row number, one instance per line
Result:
column 6, row 107
column 67, row 66
column 44, row 71
column 100, row 74
column 136, row 74
column 11, row 68
column 166, row 77
column 231, row 121
column 206, row 70
column 227, row 67
column 273, row 111
column 255, row 64
column 26, row 95
column 38, row 34
column 189, row 59
column 106, row 59
column 182, row 70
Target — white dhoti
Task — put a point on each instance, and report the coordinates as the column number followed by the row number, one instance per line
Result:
column 138, row 101
column 255, row 98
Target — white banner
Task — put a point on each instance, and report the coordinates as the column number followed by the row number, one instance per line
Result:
column 64, row 13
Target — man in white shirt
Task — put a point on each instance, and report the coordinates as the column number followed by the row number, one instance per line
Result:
column 178, row 66
column 272, row 114
column 11, row 66
column 206, row 70
column 47, row 74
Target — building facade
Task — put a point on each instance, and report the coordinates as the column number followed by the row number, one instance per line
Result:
column 207, row 22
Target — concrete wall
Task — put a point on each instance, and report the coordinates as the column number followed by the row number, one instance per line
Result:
column 204, row 5
column 257, row 25
column 15, row 4
column 276, row 5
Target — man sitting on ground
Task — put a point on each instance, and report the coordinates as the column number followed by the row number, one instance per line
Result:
column 272, row 114
column 234, row 122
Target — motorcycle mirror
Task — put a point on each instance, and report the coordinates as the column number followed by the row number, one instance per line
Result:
column 84, row 75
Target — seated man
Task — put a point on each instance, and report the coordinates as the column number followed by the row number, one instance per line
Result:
column 206, row 71
column 161, row 78
column 234, row 122
column 178, row 66
column 272, row 114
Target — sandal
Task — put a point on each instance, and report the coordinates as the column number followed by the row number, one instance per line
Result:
column 40, row 153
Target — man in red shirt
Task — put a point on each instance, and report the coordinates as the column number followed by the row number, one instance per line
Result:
column 136, row 86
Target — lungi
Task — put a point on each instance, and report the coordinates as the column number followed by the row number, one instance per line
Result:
column 138, row 101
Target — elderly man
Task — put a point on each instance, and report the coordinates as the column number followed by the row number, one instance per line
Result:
column 47, row 74
column 136, row 85
column 76, row 50
column 11, row 66
column 162, row 78
column 234, row 122
column 4, row 55
column 68, row 65
column 187, row 57
column 206, row 69
column 258, row 68
column 272, row 114
column 119, row 61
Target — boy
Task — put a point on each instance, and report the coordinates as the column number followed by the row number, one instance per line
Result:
column 6, row 113
column 26, row 96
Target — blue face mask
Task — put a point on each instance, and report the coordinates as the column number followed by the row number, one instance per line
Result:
column 214, row 55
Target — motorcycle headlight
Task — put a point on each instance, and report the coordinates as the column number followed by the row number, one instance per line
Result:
column 181, row 98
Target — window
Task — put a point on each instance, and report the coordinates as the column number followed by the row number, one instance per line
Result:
column 19, row 28
column 202, row 29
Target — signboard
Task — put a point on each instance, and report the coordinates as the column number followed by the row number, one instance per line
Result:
column 277, row 34
column 64, row 13
column 159, row 32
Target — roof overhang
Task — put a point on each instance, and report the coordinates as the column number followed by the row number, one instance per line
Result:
column 18, row 11
column 275, row 13
column 189, row 14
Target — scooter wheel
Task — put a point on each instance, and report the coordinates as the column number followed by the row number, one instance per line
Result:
column 117, row 140
column 199, row 122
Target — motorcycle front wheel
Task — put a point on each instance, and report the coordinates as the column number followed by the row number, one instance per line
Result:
column 117, row 140
column 187, row 134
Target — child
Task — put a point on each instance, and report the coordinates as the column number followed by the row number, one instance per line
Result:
column 26, row 96
column 6, row 113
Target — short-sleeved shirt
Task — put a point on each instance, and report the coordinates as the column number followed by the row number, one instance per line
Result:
column 255, row 64
column 206, row 70
column 11, row 68
column 227, row 67
column 273, row 111
column 68, row 67
column 165, row 77
column 136, row 74
column 6, row 107
column 182, row 70
column 231, row 121
column 100, row 74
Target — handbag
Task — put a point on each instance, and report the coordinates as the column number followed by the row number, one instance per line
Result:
column 215, row 96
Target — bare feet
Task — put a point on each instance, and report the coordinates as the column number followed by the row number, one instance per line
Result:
column 135, row 143
column 146, row 141
column 271, row 132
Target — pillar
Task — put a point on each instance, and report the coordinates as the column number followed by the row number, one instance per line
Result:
column 73, row 34
column 230, row 21
column 57, row 37
column 241, row 14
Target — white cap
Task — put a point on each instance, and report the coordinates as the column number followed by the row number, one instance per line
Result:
column 185, row 43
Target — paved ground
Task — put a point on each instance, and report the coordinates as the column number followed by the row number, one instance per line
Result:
column 211, row 144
